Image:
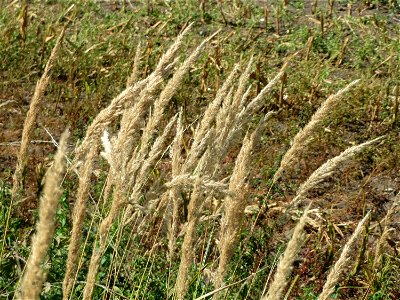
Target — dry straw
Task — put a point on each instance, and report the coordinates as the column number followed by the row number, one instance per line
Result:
column 27, row 131
column 229, row 117
column 285, row 265
column 186, row 181
column 132, row 80
column 107, row 115
column 154, row 153
column 305, row 136
column 205, row 155
column 34, row 276
column 119, row 202
column 210, row 114
column 338, row 268
column 244, row 114
column 132, row 123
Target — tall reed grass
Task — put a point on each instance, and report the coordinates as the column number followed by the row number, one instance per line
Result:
column 198, row 185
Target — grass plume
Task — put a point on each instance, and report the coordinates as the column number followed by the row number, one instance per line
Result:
column 31, row 116
column 34, row 276
column 188, row 241
column 305, row 136
column 338, row 268
column 285, row 265
column 328, row 168
column 234, row 205
column 77, row 222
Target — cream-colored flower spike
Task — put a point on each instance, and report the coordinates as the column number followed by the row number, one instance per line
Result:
column 33, row 279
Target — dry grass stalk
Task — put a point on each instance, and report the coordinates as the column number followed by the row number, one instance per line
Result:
column 222, row 116
column 165, row 64
column 241, row 89
column 168, row 92
column 338, row 268
column 197, row 152
column 212, row 111
column 123, row 183
column 187, row 256
column 119, row 202
column 285, row 265
column 244, row 116
column 107, row 115
column 77, row 223
column 186, row 181
column 230, row 111
column 229, row 120
column 105, row 225
column 131, row 119
column 386, row 232
column 305, row 136
column 215, row 150
column 124, row 100
column 171, row 52
column 134, row 77
column 132, row 123
column 234, row 116
column 258, row 101
column 231, row 139
column 140, row 169
column 31, row 117
column 328, row 168
column 34, row 276
column 172, row 213
column 234, row 205
column 234, row 108
column 120, row 199
column 154, row 154
column 208, row 136
column 107, row 155
column 177, row 146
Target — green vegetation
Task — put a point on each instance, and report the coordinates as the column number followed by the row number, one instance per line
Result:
column 215, row 209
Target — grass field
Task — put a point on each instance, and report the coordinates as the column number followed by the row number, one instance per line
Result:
column 199, row 149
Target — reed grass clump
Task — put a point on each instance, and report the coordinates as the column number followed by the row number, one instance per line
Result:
column 132, row 167
column 179, row 189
